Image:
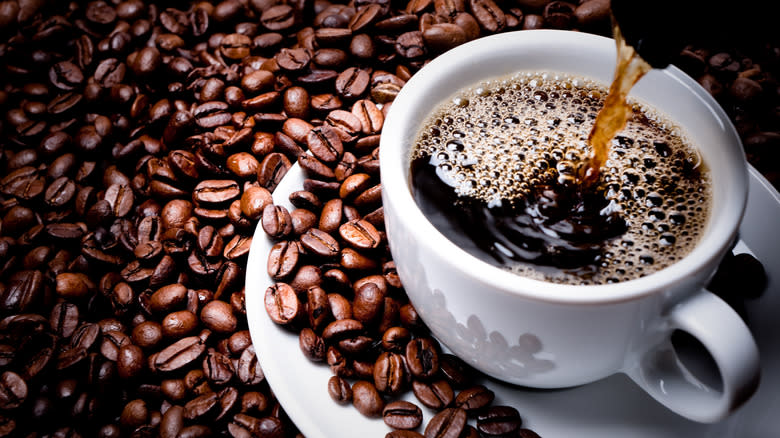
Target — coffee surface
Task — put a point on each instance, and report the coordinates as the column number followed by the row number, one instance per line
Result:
column 495, row 169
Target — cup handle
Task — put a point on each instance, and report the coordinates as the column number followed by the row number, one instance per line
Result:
column 728, row 340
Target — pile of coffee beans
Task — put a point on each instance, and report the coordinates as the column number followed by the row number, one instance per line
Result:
column 139, row 145
column 744, row 80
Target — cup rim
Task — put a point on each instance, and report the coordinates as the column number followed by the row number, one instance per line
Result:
column 720, row 234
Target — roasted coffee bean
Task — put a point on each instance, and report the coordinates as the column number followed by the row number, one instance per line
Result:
column 66, row 75
column 558, row 14
column 533, row 21
column 395, row 339
column 129, row 361
column 134, row 414
column 314, row 168
column 178, row 324
column 172, row 422
column 354, row 346
column 474, row 398
column 362, row 47
column 277, row 18
column 352, row 83
column 592, row 13
column 342, row 329
column 331, row 215
column 147, row 334
column 437, row 394
column 296, row 129
column 282, row 304
column 345, row 167
column 410, row 45
column 449, row 423
column 13, row 390
column 64, row 319
column 329, row 57
column 286, row 145
column 217, row 367
column 248, row 369
column 402, row 415
column 243, row 164
column 200, row 406
column 168, row 298
column 355, row 261
column 69, row 285
column 368, row 302
column 325, row 102
column 499, row 421
column 489, row 16
column 444, row 36
column 422, row 357
column 276, row 221
column 366, row 399
column 390, row 374
column 215, row 192
column 360, row 234
column 312, row 345
column 370, row 117
column 237, row 247
column 295, row 101
column 320, row 243
column 218, row 316
column 448, row 8
column 60, row 192
column 257, row 81
column 318, row 307
column 254, row 200
column 339, row 390
column 178, row 354
column 282, row 260
column 25, row 183
column 235, row 46
column 306, row 277
column 293, row 60
column 325, row 144
column 331, row 36
column 113, row 341
column 210, row 115
column 272, row 169
column 302, row 220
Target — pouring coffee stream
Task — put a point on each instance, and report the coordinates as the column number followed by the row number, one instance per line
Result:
column 612, row 118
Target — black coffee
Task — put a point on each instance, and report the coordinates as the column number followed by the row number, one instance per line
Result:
column 495, row 170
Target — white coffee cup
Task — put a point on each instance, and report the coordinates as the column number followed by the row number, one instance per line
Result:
column 546, row 335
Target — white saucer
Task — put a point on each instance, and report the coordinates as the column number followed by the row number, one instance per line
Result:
column 611, row 408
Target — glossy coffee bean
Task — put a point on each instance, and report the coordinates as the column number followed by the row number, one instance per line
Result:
column 366, row 399
column 474, row 398
column 437, row 394
column 499, row 421
column 422, row 357
column 339, row 390
column 402, row 415
column 449, row 423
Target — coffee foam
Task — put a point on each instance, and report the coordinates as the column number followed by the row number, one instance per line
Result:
column 497, row 140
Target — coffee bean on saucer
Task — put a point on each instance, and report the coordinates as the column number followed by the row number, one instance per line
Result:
column 402, row 415
column 366, row 399
column 498, row 421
